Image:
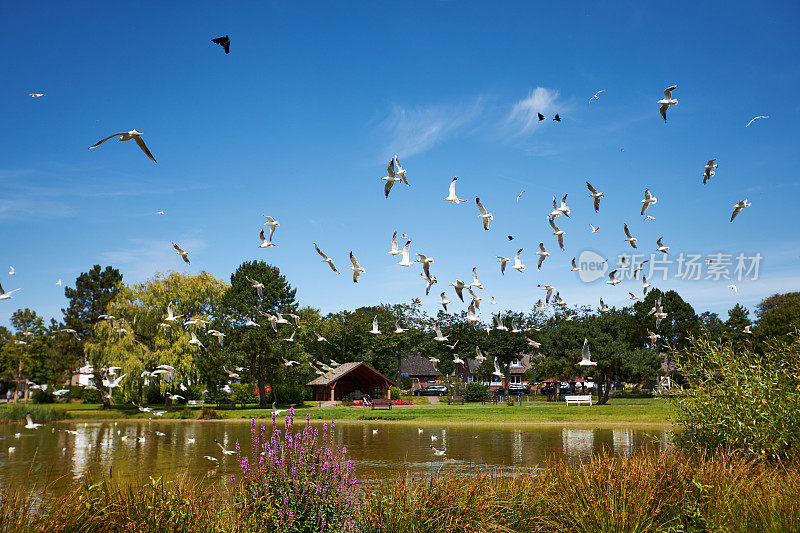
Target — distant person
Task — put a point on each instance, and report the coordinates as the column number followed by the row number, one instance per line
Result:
column 9, row 395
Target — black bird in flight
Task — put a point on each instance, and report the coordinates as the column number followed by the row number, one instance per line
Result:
column 557, row 118
column 224, row 42
column 541, row 117
column 510, row 238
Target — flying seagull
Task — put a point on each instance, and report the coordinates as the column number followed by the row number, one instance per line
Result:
column 596, row 195
column 439, row 337
column 596, row 95
column 586, row 357
column 391, row 178
column 518, row 265
column 375, row 330
column 6, row 295
column 738, row 207
column 395, row 250
column 661, row 247
column 484, row 215
column 264, row 242
column 257, row 285
column 400, row 171
column 708, row 173
column 667, row 101
column 558, row 232
column 459, row 287
column 273, row 225
column 11, row 271
column 647, row 200
column 594, row 230
column 356, row 268
column 751, row 120
column 542, row 253
column 612, row 280
column 628, row 237
column 502, row 260
column 179, row 251
column 127, row 136
column 405, row 260
column 224, row 42
column 326, row 259
column 39, row 95
column 444, row 301
column 451, row 197
column 520, row 194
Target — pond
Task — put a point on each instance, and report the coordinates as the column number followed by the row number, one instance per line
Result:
column 61, row 453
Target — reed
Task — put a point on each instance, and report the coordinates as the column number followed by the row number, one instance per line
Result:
column 13, row 412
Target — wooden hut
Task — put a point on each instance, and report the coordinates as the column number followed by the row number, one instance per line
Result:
column 350, row 378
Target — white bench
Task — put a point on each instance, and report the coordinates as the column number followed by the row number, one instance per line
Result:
column 578, row 399
column 195, row 403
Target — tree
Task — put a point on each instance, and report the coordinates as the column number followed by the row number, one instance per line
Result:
column 260, row 347
column 27, row 355
column 737, row 321
column 778, row 315
column 93, row 292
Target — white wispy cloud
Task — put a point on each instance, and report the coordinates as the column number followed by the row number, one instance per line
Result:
column 523, row 117
column 144, row 257
column 414, row 130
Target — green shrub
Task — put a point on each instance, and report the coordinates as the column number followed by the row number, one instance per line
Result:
column 43, row 396
column 739, row 399
column 90, row 396
column 243, row 393
column 39, row 413
column 475, row 392
column 406, row 383
column 207, row 413
column 394, row 393
column 291, row 393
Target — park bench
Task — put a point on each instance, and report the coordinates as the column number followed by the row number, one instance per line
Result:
column 226, row 404
column 455, row 399
column 195, row 403
column 578, row 399
column 381, row 403
column 491, row 398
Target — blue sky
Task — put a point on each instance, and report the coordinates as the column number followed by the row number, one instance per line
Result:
column 300, row 120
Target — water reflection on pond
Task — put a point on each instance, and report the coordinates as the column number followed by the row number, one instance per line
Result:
column 135, row 450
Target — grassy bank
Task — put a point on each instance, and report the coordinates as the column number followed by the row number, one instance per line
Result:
column 667, row 492
column 15, row 412
column 629, row 412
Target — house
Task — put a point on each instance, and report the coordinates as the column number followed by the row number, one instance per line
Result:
column 82, row 377
column 419, row 369
column 350, row 379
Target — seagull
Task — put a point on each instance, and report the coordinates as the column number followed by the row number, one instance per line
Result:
column 397, row 328
column 391, row 178
column 451, row 197
column 433, row 360
column 734, row 288
column 426, row 275
column 210, row 458
column 290, row 338
column 575, row 267
column 375, row 330
column 31, row 424
column 257, row 285
column 570, row 317
column 645, row 285
column 439, row 337
column 639, row 268
column 276, row 411
column 532, row 343
column 11, row 271
column 747, row 329
column 459, row 287
column 320, row 338
column 498, row 324
column 59, row 282
column 661, row 247
column 603, row 307
column 400, row 171
column 326, row 259
column 405, row 260
column 540, row 306
column 160, row 212
column 708, row 173
column 557, row 118
column 224, row 451
column 452, row 346
column 195, row 341
column 563, row 208
column 179, row 251
column 648, row 217
column 437, row 451
column 497, row 372
column 736, row 208
column 633, row 297
column 444, row 301
column 249, row 322
column 652, row 336
column 170, row 316
column 628, row 237
column 6, row 295
column 395, row 250
column 475, row 283
column 479, row 355
column 296, row 319
column 751, row 120
column 231, row 375
column 596, row 195
column 502, row 261
column 520, row 194
column 484, row 215
column 558, row 232
column 612, row 280
column 356, row 268
column 542, row 253
column 596, row 95
column 549, row 289
column 556, row 212
column 457, row 360
column 493, row 301
column 39, row 95
column 594, row 230
column 127, row 136
column 648, row 199
column 472, row 314
column 264, row 242
column 434, row 437
column 273, row 225
column 586, row 356
column 667, row 101
column 224, row 42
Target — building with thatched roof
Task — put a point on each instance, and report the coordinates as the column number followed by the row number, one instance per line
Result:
column 350, row 379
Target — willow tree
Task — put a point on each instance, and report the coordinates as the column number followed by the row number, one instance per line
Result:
column 260, row 348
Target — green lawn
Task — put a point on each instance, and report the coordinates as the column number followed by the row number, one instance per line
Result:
column 629, row 412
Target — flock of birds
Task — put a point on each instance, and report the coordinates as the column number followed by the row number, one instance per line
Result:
column 396, row 174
